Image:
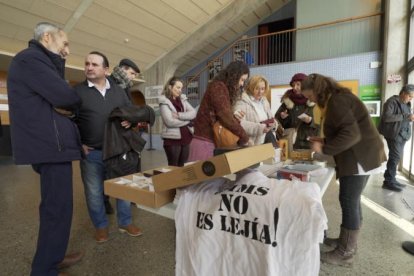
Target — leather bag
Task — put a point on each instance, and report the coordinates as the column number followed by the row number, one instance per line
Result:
column 224, row 138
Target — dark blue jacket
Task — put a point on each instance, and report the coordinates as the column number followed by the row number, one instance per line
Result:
column 35, row 85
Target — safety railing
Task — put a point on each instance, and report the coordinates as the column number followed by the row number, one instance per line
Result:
column 331, row 39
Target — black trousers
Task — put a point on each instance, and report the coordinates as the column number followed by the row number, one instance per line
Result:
column 350, row 190
column 396, row 149
column 55, row 212
column 177, row 155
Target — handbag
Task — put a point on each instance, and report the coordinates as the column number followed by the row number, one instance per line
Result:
column 224, row 138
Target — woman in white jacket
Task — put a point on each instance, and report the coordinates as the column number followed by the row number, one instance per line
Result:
column 258, row 119
column 176, row 114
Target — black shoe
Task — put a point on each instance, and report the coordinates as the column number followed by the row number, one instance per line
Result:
column 108, row 208
column 391, row 186
column 401, row 185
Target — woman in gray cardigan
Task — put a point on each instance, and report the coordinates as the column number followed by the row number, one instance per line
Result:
column 176, row 114
column 352, row 139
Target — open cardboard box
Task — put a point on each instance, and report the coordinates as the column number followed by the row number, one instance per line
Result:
column 144, row 196
column 217, row 166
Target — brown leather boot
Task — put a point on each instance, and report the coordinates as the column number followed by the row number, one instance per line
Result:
column 70, row 260
column 333, row 242
column 345, row 250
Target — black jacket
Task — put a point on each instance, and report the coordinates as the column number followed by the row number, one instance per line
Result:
column 122, row 147
column 395, row 119
column 35, row 86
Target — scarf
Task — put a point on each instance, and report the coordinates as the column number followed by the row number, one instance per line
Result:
column 121, row 78
column 177, row 104
column 298, row 99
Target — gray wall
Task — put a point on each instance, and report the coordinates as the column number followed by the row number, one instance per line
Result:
column 360, row 36
column 354, row 67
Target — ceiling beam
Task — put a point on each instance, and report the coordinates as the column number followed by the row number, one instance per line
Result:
column 206, row 33
column 80, row 10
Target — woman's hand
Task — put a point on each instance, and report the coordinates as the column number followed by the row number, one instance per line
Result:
column 266, row 129
column 317, row 143
column 284, row 114
column 315, row 139
column 239, row 115
column 305, row 118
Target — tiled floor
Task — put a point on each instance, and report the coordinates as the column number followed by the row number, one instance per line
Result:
column 379, row 250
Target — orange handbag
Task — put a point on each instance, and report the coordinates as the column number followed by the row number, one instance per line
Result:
column 224, row 138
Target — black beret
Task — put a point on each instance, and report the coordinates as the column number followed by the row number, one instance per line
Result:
column 129, row 63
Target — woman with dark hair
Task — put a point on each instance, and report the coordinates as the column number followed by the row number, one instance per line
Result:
column 176, row 113
column 350, row 136
column 221, row 94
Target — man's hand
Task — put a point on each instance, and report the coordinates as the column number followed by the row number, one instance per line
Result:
column 64, row 112
column 125, row 124
column 86, row 149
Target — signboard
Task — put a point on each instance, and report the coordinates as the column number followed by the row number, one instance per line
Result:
column 152, row 92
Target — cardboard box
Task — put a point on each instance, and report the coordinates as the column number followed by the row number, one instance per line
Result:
column 217, row 166
column 144, row 196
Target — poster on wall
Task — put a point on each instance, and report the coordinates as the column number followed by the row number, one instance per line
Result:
column 214, row 67
column 152, row 92
column 370, row 92
column 351, row 84
column 373, row 108
column 192, row 88
column 241, row 52
column 275, row 97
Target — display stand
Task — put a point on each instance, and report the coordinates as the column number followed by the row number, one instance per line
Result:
column 323, row 181
column 150, row 138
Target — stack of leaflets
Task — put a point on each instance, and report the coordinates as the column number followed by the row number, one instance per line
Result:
column 297, row 171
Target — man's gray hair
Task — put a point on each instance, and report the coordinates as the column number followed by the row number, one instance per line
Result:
column 408, row 89
column 44, row 27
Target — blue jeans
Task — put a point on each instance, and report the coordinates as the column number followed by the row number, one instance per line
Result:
column 350, row 190
column 55, row 212
column 395, row 147
column 93, row 175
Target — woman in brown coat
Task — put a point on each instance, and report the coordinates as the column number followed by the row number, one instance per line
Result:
column 222, row 92
column 352, row 139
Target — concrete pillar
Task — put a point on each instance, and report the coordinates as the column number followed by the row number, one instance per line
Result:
column 395, row 45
